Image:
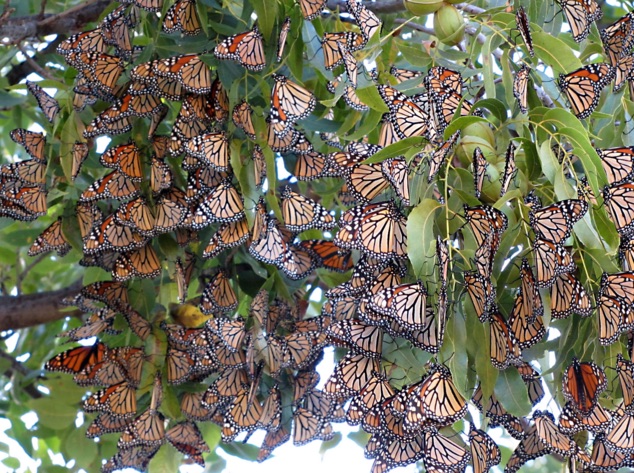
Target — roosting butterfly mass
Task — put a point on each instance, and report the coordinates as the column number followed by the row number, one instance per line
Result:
column 439, row 228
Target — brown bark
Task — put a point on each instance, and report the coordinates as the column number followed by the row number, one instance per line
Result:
column 73, row 20
column 34, row 309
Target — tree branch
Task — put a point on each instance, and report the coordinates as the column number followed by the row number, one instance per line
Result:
column 69, row 21
column 34, row 309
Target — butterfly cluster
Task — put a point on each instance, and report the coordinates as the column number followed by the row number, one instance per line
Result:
column 180, row 198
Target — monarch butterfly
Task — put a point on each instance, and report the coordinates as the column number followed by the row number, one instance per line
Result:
column 375, row 392
column 614, row 315
column 113, row 294
column 445, row 106
column 311, row 9
column 330, row 46
column 308, row 426
column 228, row 235
column 551, row 260
column 498, row 415
column 272, row 440
column 187, row 439
column 550, row 436
column 350, row 64
column 368, row 22
column 230, row 332
column 484, row 451
column 625, row 371
column 571, row 423
column 188, row 70
column 568, row 296
column 487, row 223
column 137, row 458
column 141, row 263
column 269, row 243
column 241, row 117
column 102, row 71
column 621, row 436
column 618, row 38
column 182, row 16
column 289, row 101
column 281, row 41
column 443, row 453
column 583, row 87
column 51, row 239
column 77, row 359
column 622, row 70
column 224, row 204
column 218, row 295
column 245, row 48
column 350, row 96
column 99, row 126
column 119, row 399
column 97, row 323
column 525, row 324
column 582, row 383
column 350, row 375
column 580, row 14
column 504, row 349
column 149, row 5
column 242, row 415
column 147, row 430
column 618, row 164
column 365, row 181
column 48, row 104
column 529, row 448
column 91, row 40
column 440, row 81
column 328, row 255
column 106, row 424
column 405, row 303
column 212, row 149
column 481, row 292
column 79, row 154
column 301, row 213
column 523, row 25
column 124, row 158
column 479, row 170
column 532, row 380
column 360, row 337
column 115, row 29
column 192, row 407
column 382, row 231
column 555, row 222
column 109, row 235
column 618, row 199
column 510, row 169
column 520, row 87
column 439, row 156
column 33, row 142
column 396, row 171
column 605, row 456
column 406, row 115
column 435, row 398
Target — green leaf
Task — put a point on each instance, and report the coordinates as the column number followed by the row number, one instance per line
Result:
column 421, row 244
column 80, row 448
column 267, row 13
column 11, row 462
column 555, row 52
column 370, row 96
column 51, row 413
column 397, row 149
column 511, row 391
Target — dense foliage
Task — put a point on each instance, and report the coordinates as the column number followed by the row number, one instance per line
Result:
column 443, row 193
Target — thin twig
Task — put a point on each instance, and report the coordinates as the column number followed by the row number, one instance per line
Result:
column 36, row 67
column 23, row 274
column 15, row 364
